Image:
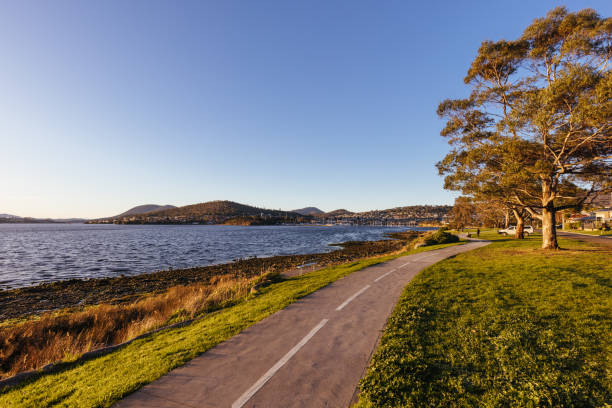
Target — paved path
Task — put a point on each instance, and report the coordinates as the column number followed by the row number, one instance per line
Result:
column 605, row 240
column 311, row 354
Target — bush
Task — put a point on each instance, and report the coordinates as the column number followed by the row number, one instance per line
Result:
column 438, row 237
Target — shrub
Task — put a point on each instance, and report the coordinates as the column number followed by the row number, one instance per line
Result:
column 438, row 237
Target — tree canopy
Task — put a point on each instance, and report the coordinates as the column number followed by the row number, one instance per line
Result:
column 535, row 131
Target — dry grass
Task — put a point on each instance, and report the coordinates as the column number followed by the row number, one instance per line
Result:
column 63, row 337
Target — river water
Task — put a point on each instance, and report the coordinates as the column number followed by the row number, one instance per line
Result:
column 34, row 253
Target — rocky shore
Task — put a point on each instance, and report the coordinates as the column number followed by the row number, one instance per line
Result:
column 34, row 300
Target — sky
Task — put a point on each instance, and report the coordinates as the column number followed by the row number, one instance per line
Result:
column 280, row 104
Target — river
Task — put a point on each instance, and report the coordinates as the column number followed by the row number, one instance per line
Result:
column 35, row 253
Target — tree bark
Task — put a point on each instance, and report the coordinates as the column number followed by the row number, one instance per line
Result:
column 507, row 219
column 520, row 225
column 549, row 230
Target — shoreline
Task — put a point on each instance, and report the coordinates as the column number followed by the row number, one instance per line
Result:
column 56, row 252
column 28, row 301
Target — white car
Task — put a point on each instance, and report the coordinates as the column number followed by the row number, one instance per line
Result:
column 511, row 230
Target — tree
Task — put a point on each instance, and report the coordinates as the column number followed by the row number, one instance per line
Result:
column 463, row 213
column 491, row 213
column 480, row 165
column 478, row 169
column 539, row 117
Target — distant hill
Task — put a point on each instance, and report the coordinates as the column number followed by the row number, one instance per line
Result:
column 70, row 220
column 143, row 209
column 232, row 213
column 212, row 212
column 223, row 208
column 14, row 219
column 308, row 211
column 414, row 215
column 338, row 212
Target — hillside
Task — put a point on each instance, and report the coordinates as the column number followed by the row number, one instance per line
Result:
column 212, row 212
column 308, row 211
column 337, row 213
column 143, row 209
column 229, row 212
column 413, row 215
column 14, row 219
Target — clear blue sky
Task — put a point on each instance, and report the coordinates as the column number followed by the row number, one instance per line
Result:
column 105, row 105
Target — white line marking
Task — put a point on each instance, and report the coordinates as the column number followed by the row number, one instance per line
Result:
column 347, row 301
column 382, row 276
column 270, row 373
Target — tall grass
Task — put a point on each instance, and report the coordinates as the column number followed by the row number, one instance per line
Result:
column 53, row 338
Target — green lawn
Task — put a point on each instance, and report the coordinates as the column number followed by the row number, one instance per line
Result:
column 507, row 325
column 597, row 232
column 102, row 381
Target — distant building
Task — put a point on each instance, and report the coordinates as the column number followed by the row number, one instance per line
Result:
column 603, row 214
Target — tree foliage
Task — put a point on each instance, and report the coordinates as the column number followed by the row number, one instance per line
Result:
column 463, row 213
column 535, row 132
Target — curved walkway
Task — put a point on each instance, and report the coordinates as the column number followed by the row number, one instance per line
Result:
column 310, row 354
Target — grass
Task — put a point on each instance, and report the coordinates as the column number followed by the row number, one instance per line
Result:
column 64, row 335
column 102, row 381
column 595, row 232
column 119, row 311
column 506, row 325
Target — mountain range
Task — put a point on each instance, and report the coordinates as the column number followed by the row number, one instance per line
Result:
column 8, row 218
column 141, row 209
column 229, row 212
column 212, row 212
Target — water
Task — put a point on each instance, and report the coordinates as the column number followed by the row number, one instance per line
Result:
column 36, row 253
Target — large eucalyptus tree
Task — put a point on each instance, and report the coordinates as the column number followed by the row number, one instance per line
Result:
column 537, row 127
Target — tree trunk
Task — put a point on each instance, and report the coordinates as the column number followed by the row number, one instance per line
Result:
column 520, row 225
column 507, row 219
column 549, row 230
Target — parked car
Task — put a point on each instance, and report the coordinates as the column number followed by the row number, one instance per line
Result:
column 511, row 230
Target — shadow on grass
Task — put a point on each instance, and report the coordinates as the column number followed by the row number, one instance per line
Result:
column 590, row 249
column 23, row 379
column 599, row 280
